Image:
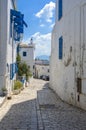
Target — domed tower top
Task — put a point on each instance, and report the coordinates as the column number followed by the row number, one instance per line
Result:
column 31, row 41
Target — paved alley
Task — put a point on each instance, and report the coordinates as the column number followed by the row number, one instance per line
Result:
column 38, row 108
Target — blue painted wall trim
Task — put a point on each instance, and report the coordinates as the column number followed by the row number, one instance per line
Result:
column 60, row 9
column 60, row 47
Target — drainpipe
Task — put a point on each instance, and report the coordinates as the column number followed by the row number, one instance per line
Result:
column 75, row 80
column 11, row 87
column 12, row 51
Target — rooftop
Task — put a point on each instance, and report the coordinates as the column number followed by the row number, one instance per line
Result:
column 27, row 45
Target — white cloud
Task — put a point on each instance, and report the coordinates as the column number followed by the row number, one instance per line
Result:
column 46, row 12
column 42, row 43
column 52, row 25
column 42, row 25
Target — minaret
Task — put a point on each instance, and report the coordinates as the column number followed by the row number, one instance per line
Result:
column 31, row 41
column 31, row 47
column 31, row 44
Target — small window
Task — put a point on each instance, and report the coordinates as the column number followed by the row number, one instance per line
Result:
column 60, row 47
column 33, row 66
column 59, row 9
column 79, row 85
column 24, row 53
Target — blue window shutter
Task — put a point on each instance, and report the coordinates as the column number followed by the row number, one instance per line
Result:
column 60, row 47
column 12, row 70
column 16, row 68
column 10, row 26
column 18, row 49
column 60, row 9
column 18, row 19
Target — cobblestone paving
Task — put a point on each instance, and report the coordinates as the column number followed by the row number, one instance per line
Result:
column 38, row 108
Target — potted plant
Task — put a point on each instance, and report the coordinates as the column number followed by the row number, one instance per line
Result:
column 4, row 91
column 17, row 87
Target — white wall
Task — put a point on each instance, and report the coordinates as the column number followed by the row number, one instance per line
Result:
column 11, row 49
column 63, row 73
column 41, row 70
column 5, row 44
column 29, row 59
column 3, row 32
column 68, row 6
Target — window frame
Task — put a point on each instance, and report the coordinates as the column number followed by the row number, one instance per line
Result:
column 60, row 9
column 61, row 48
column 24, row 53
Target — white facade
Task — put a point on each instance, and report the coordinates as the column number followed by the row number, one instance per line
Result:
column 68, row 73
column 42, row 62
column 41, row 70
column 7, row 48
column 27, row 55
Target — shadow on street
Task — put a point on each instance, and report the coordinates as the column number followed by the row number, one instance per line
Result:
column 46, row 112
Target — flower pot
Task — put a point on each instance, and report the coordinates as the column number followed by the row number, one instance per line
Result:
column 16, row 92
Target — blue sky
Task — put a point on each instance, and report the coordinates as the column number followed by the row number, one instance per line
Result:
column 40, row 17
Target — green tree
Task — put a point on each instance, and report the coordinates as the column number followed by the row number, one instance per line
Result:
column 23, row 68
column 18, row 58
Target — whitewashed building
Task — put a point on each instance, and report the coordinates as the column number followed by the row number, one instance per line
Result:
column 68, row 52
column 27, row 55
column 7, row 45
column 10, row 33
column 41, row 68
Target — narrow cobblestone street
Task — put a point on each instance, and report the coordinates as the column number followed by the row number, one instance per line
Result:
column 38, row 108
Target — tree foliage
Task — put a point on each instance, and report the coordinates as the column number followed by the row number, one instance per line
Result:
column 18, row 58
column 23, row 68
column 17, row 85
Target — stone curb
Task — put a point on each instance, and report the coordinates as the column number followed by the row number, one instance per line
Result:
column 3, row 101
